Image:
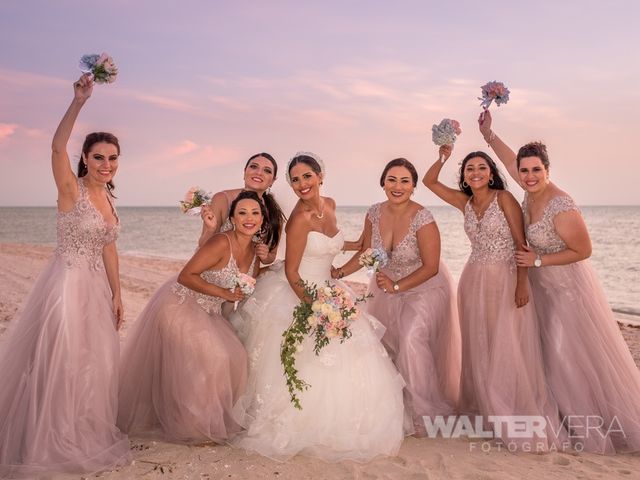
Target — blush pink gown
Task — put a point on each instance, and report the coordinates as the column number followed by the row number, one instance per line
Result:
column 502, row 369
column 422, row 330
column 59, row 360
column 589, row 367
column 183, row 366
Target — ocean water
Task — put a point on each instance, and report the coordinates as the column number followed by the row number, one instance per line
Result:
column 165, row 232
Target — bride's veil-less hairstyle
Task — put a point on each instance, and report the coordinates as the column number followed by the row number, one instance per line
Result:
column 310, row 159
column 275, row 218
column 89, row 141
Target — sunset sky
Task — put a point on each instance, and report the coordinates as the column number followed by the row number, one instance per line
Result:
column 205, row 84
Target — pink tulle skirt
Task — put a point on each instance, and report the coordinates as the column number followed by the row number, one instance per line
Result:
column 59, row 378
column 182, row 370
column 589, row 367
column 423, row 339
column 502, row 368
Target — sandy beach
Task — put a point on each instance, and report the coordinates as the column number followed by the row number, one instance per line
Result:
column 418, row 458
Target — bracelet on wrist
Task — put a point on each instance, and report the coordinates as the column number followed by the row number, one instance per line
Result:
column 492, row 137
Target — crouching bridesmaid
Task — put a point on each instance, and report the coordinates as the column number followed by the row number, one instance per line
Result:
column 183, row 366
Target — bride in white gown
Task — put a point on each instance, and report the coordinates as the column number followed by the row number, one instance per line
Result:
column 353, row 409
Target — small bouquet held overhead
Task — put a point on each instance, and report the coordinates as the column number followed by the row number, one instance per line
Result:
column 193, row 201
column 101, row 67
column 373, row 259
column 327, row 314
column 446, row 132
column 494, row 91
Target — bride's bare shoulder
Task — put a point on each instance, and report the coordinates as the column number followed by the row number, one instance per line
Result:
column 299, row 220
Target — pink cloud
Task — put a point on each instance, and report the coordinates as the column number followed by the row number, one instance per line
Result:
column 7, row 130
column 184, row 148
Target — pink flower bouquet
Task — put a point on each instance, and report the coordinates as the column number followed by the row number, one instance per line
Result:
column 193, row 201
column 494, row 91
column 101, row 67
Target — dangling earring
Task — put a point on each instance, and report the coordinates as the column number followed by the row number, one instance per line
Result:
column 233, row 225
column 464, row 184
column 491, row 181
column 268, row 192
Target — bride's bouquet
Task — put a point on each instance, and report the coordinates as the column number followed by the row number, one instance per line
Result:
column 102, row 67
column 193, row 201
column 446, row 132
column 246, row 284
column 327, row 313
column 494, row 91
column 373, row 259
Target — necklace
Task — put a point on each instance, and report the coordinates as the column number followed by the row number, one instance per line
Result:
column 320, row 215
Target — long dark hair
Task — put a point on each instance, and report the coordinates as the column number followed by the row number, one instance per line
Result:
column 248, row 194
column 499, row 183
column 275, row 217
column 89, row 141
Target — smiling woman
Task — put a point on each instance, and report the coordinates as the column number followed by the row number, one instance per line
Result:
column 58, row 404
column 498, row 323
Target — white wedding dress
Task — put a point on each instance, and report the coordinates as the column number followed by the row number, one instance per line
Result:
column 353, row 409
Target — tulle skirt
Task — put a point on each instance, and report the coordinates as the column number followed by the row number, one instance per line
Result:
column 423, row 339
column 589, row 367
column 182, row 370
column 59, row 378
column 353, row 409
column 502, row 367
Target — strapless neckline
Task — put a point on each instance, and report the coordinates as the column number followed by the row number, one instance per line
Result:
column 325, row 235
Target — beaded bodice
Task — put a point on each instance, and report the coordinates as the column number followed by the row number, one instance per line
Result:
column 82, row 232
column 542, row 235
column 405, row 257
column 490, row 236
column 224, row 277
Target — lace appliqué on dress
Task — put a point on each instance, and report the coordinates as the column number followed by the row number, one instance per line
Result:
column 82, row 232
column 490, row 236
column 542, row 235
column 224, row 278
column 405, row 257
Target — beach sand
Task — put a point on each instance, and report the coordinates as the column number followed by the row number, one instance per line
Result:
column 418, row 458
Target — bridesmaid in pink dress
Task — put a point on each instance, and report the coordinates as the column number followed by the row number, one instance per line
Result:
column 59, row 375
column 260, row 172
column 502, row 372
column 413, row 297
column 589, row 367
column 183, row 366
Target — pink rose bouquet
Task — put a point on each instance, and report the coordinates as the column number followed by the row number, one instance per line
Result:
column 101, row 67
column 494, row 91
column 326, row 313
column 193, row 201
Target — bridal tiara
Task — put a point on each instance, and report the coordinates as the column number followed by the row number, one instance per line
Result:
column 307, row 154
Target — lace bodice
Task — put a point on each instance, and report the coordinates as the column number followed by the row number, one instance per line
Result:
column 224, row 277
column 405, row 258
column 491, row 240
column 318, row 255
column 82, row 232
column 542, row 235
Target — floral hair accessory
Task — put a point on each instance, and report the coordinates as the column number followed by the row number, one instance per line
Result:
column 306, row 154
column 446, row 132
column 494, row 91
column 102, row 67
